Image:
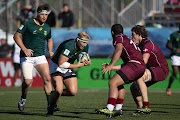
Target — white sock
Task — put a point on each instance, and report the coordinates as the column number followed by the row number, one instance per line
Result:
column 110, row 107
column 118, row 106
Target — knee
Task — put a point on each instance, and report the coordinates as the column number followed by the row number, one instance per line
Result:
column 47, row 80
column 27, row 82
column 72, row 92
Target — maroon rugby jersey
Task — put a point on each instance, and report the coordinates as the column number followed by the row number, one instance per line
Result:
column 130, row 53
column 156, row 56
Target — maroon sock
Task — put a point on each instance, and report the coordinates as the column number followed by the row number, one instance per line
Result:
column 119, row 101
column 112, row 101
column 146, row 104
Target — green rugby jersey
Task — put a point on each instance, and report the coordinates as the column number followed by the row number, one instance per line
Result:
column 34, row 37
column 175, row 40
column 68, row 49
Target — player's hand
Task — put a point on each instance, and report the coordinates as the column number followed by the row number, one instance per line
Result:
column 51, row 54
column 105, row 64
column 80, row 64
column 177, row 50
column 28, row 52
column 87, row 62
column 106, row 69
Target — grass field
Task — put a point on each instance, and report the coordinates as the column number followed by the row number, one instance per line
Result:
column 82, row 106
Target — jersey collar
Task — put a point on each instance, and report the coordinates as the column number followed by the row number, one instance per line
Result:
column 37, row 22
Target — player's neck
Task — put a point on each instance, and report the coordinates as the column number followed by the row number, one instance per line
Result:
column 39, row 22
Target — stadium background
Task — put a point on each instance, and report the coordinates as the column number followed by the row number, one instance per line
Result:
column 96, row 17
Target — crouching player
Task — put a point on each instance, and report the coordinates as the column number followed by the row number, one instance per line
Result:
column 133, row 68
column 61, row 67
column 157, row 68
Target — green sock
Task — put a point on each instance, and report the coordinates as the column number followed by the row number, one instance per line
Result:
column 48, row 96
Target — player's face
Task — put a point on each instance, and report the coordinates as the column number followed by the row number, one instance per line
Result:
column 135, row 37
column 42, row 17
column 81, row 44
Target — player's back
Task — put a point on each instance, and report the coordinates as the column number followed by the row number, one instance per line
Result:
column 156, row 56
column 131, row 52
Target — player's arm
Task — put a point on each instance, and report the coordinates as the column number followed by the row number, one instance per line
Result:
column 117, row 67
column 64, row 64
column 116, row 56
column 50, row 46
column 18, row 39
column 169, row 46
column 146, row 57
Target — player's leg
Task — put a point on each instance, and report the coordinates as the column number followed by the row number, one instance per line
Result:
column 43, row 70
column 143, row 88
column 114, row 82
column 71, row 87
column 26, row 68
column 119, row 102
column 136, row 93
column 58, row 86
column 173, row 76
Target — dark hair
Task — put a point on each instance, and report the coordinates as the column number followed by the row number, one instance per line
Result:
column 117, row 29
column 65, row 4
column 140, row 30
column 43, row 7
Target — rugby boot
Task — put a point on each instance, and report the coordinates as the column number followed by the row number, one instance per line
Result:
column 105, row 111
column 142, row 111
column 117, row 113
column 21, row 104
column 168, row 91
column 50, row 111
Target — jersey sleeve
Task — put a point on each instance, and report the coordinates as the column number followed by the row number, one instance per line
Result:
column 147, row 47
column 49, row 35
column 171, row 38
column 22, row 28
column 66, row 51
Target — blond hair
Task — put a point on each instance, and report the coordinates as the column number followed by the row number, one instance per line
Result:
column 84, row 34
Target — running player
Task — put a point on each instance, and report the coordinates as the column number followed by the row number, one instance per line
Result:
column 133, row 67
column 157, row 68
column 174, row 45
column 31, row 37
column 61, row 67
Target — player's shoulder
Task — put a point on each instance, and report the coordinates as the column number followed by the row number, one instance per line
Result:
column 46, row 25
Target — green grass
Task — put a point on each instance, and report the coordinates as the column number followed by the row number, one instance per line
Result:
column 82, row 106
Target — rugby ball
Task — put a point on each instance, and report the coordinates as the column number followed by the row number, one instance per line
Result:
column 83, row 56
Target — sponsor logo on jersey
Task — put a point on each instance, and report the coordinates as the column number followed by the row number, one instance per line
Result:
column 45, row 32
column 66, row 52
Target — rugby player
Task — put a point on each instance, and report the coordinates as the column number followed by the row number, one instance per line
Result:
column 132, row 68
column 31, row 37
column 61, row 67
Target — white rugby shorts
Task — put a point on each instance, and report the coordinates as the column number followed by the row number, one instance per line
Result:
column 175, row 60
column 27, row 64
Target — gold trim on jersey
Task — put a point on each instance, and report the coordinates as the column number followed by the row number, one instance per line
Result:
column 38, row 23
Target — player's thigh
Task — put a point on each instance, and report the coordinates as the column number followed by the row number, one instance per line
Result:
column 116, row 80
column 43, row 70
column 175, row 69
column 71, row 84
column 58, row 83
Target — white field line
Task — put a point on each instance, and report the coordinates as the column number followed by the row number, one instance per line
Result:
column 84, row 91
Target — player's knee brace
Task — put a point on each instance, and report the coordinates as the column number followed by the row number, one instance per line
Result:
column 120, row 87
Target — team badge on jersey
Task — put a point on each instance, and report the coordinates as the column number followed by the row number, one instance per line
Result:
column 34, row 32
column 21, row 27
column 45, row 32
column 40, row 28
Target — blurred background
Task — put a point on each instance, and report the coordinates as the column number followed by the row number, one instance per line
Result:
column 68, row 17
